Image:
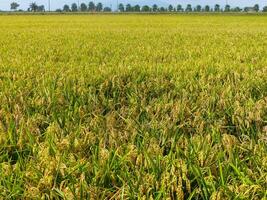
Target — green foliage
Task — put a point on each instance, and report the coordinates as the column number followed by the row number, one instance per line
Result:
column 74, row 7
column 121, row 7
column 145, row 8
column 14, row 6
column 91, row 6
column 66, row 8
column 179, row 8
column 189, row 8
column 198, row 8
column 227, row 8
column 33, row 7
column 207, row 8
column 83, row 7
column 99, row 7
column 161, row 107
column 170, row 8
column 217, row 8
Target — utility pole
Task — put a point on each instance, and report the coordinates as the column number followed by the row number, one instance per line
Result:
column 49, row 3
column 95, row 6
column 117, row 5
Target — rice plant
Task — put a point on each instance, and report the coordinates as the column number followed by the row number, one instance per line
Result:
column 133, row 107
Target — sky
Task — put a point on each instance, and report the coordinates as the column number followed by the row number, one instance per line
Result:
column 24, row 4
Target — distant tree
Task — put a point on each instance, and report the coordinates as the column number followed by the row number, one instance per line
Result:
column 198, row 8
column 107, row 9
column 121, row 7
column 58, row 10
column 256, row 7
column 155, row 8
column 83, row 7
column 145, row 8
column 41, row 8
column 136, row 8
column 264, row 9
column 14, row 6
column 227, row 8
column 99, row 7
column 246, row 9
column 188, row 8
column 207, row 8
column 74, row 7
column 217, row 8
column 33, row 7
column 128, row 8
column 66, row 8
column 179, row 8
column 91, row 6
column 162, row 9
column 170, row 8
column 237, row 9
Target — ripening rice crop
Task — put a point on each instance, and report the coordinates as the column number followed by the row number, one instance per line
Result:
column 133, row 107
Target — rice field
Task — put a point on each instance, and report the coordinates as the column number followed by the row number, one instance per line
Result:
column 133, row 107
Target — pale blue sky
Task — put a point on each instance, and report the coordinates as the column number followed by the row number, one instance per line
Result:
column 5, row 4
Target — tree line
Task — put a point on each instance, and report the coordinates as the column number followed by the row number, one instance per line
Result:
column 92, row 7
